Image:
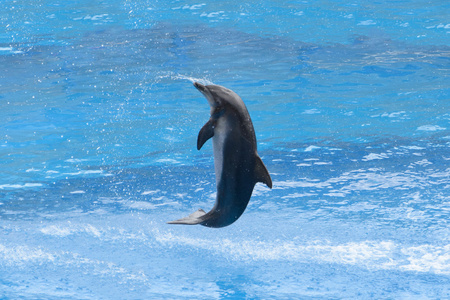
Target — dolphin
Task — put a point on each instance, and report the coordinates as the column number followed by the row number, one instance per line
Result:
column 237, row 164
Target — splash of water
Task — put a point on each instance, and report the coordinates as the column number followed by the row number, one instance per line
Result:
column 203, row 81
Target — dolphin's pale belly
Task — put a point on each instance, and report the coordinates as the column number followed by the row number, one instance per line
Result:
column 219, row 139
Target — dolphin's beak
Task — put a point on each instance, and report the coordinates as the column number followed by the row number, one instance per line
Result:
column 207, row 93
column 200, row 87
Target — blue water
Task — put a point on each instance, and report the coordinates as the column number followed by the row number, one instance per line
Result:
column 98, row 126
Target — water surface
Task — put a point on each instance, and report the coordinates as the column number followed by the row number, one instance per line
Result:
column 98, row 133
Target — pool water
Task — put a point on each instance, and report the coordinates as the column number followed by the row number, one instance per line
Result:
column 98, row 125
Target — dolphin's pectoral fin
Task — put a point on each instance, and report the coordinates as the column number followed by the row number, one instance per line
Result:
column 192, row 219
column 205, row 133
column 261, row 173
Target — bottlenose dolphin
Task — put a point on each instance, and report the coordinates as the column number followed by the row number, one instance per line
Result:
column 238, row 166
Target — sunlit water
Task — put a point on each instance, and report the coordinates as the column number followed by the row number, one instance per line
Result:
column 98, row 127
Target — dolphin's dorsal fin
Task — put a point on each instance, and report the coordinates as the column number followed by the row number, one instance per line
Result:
column 261, row 173
column 192, row 219
column 205, row 133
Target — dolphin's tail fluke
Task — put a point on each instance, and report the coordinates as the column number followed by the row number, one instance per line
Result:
column 193, row 219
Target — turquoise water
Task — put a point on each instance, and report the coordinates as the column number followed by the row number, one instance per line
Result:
column 98, row 127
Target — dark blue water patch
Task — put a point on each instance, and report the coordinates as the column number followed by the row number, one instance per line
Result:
column 411, row 67
column 159, row 42
column 107, row 54
column 383, row 72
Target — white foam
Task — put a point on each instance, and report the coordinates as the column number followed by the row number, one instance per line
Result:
column 423, row 162
column 213, row 14
column 373, row 181
column 304, row 165
column 427, row 258
column 75, row 160
column 92, row 18
column 430, row 128
column 150, row 192
column 20, row 186
column 372, row 255
column 394, row 114
column 367, row 23
column 367, row 180
column 311, row 148
column 373, row 156
column 298, row 195
column 97, row 17
column 335, row 194
column 51, row 172
column 23, row 254
column 311, row 111
column 300, row 184
column 413, row 147
column 443, row 26
column 78, row 192
column 85, row 172
column 17, row 255
column 190, row 7
column 167, row 161
column 70, row 229
column 142, row 205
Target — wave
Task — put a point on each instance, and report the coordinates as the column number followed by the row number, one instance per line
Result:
column 372, row 255
column 367, row 254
